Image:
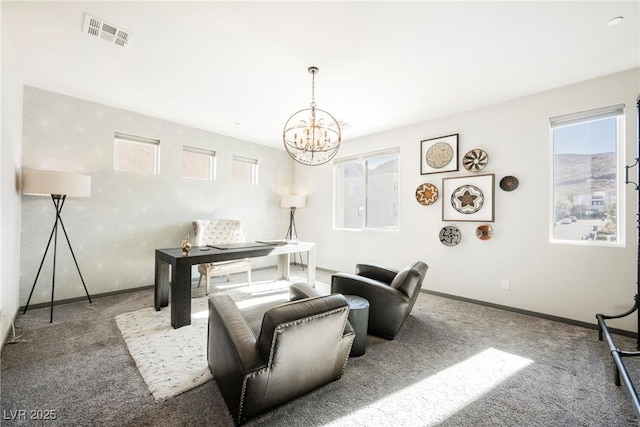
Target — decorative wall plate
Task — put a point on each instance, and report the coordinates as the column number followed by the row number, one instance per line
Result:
column 484, row 232
column 450, row 235
column 509, row 183
column 427, row 194
column 467, row 199
column 475, row 160
column 439, row 155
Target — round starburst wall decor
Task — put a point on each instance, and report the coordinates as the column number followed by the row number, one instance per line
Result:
column 467, row 199
column 439, row 155
column 426, row 194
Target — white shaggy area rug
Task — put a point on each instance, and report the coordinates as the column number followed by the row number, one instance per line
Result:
column 172, row 361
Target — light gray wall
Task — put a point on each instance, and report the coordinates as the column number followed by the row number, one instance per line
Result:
column 114, row 232
column 570, row 281
column 10, row 159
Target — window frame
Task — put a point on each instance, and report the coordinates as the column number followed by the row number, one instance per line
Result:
column 614, row 111
column 120, row 137
column 365, row 157
column 212, row 162
column 254, row 169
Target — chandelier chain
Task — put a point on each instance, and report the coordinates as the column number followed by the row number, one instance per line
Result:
column 313, row 89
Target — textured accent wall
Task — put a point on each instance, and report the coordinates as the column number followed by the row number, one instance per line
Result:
column 10, row 160
column 115, row 232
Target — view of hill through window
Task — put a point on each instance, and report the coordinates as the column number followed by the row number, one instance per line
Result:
column 586, row 180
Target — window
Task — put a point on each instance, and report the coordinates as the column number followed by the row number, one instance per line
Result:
column 587, row 189
column 366, row 191
column 198, row 163
column 136, row 154
column 244, row 170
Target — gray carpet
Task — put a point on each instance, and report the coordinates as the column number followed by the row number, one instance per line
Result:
column 451, row 365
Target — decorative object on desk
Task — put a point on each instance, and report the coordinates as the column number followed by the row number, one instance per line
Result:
column 293, row 201
column 450, row 235
column 475, row 160
column 439, row 154
column 427, row 194
column 484, row 232
column 186, row 246
column 59, row 186
column 468, row 198
column 312, row 136
column 509, row 183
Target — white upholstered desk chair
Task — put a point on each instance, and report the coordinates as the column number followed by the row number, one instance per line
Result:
column 215, row 232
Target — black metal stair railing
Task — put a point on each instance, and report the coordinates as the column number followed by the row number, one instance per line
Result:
column 620, row 370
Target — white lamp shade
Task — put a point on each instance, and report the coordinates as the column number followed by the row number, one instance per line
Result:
column 44, row 183
column 293, row 201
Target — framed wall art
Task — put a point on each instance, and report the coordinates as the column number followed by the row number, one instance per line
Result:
column 468, row 198
column 439, row 154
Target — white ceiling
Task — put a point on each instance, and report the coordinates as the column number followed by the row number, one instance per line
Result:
column 240, row 68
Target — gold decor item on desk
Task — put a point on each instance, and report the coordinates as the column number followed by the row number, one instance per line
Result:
column 186, row 246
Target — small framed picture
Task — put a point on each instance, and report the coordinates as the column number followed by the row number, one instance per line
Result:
column 439, row 154
column 468, row 198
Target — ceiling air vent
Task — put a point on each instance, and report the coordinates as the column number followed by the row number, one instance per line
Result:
column 108, row 32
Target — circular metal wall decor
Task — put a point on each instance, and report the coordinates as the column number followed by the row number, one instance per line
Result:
column 439, row 155
column 475, row 160
column 450, row 235
column 484, row 232
column 509, row 183
column 467, row 199
column 427, row 194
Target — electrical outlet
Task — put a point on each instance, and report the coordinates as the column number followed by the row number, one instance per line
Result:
column 505, row 284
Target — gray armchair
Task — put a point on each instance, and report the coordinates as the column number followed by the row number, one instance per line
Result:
column 269, row 355
column 391, row 293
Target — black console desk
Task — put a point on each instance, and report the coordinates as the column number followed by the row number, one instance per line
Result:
column 178, row 282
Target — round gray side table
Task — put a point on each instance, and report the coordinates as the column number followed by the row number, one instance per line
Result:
column 359, row 319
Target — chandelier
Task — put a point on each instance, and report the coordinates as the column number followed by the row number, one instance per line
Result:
column 312, row 136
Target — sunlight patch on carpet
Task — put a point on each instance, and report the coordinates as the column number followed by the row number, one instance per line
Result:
column 432, row 400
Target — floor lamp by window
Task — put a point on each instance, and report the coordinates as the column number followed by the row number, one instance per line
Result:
column 59, row 186
column 293, row 201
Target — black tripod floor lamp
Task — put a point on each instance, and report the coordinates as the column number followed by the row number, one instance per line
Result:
column 59, row 186
column 292, row 202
